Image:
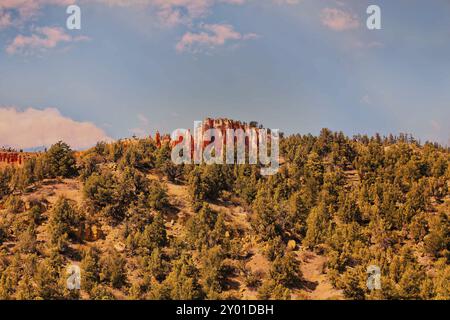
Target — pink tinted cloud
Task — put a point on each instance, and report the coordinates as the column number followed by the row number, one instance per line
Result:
column 5, row 19
column 42, row 39
column 291, row 2
column 211, row 36
column 170, row 12
column 36, row 128
column 173, row 12
column 339, row 20
column 176, row 12
column 26, row 9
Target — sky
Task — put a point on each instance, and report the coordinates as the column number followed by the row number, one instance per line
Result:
column 138, row 66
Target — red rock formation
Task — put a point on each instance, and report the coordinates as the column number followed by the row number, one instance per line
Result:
column 166, row 139
column 12, row 158
column 222, row 124
column 158, row 139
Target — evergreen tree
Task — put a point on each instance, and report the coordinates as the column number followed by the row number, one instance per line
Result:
column 60, row 161
column 90, row 265
column 183, row 281
column 318, row 226
column 62, row 223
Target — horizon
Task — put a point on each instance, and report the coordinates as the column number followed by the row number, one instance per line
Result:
column 140, row 66
column 151, row 135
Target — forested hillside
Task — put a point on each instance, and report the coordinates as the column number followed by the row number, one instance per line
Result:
column 142, row 228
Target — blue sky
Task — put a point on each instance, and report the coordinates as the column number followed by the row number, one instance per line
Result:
column 138, row 66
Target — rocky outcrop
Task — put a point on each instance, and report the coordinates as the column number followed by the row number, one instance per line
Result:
column 13, row 158
column 221, row 124
column 89, row 232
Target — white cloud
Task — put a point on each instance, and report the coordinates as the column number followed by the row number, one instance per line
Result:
column 144, row 127
column 143, row 119
column 36, row 128
column 436, row 125
column 366, row 99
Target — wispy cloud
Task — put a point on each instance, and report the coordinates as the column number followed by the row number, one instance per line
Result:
column 339, row 20
column 16, row 12
column 21, row 15
column 210, row 37
column 364, row 44
column 40, row 40
column 143, row 129
column 169, row 13
column 366, row 100
column 5, row 19
column 190, row 13
column 175, row 12
column 36, row 128
column 290, row 2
